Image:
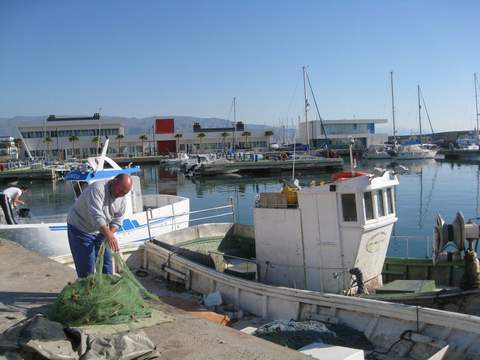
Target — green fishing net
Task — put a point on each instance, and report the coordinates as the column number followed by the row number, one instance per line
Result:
column 102, row 299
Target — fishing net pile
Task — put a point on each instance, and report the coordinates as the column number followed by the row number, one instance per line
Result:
column 102, row 299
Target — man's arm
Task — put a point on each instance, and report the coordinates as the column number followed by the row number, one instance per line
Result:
column 96, row 212
column 117, row 220
column 16, row 200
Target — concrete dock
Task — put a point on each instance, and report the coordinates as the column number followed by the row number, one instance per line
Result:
column 271, row 166
column 139, row 160
column 30, row 282
column 460, row 154
column 28, row 174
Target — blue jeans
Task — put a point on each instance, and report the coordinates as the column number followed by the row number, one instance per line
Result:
column 84, row 248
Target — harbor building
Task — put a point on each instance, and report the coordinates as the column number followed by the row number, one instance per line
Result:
column 79, row 137
column 337, row 133
column 200, row 139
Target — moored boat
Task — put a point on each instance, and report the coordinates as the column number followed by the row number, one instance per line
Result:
column 208, row 258
column 48, row 235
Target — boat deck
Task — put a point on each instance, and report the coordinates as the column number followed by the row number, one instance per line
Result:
column 30, row 282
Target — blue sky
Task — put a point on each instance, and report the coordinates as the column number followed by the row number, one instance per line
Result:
column 145, row 58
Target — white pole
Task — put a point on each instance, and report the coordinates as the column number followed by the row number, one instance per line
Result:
column 476, row 102
column 352, row 167
column 294, row 150
column 306, row 109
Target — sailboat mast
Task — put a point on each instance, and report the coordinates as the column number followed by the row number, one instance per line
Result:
column 393, row 109
column 234, row 121
column 306, row 107
column 419, row 114
column 476, row 101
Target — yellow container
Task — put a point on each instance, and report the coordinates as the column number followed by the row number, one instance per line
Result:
column 291, row 192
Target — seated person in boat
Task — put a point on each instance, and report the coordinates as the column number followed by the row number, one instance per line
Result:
column 95, row 216
column 14, row 193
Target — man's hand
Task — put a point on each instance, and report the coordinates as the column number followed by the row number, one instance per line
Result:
column 112, row 241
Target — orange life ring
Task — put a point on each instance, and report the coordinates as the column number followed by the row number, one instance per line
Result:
column 344, row 175
column 284, row 156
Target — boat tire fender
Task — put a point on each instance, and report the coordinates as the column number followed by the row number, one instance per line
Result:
column 359, row 279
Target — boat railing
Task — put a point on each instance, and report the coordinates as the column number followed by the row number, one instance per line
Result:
column 184, row 217
column 407, row 246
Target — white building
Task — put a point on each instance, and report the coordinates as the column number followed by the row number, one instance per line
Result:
column 338, row 132
column 170, row 140
column 80, row 137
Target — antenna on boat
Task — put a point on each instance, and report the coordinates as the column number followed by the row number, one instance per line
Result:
column 393, row 109
column 103, row 155
column 352, row 160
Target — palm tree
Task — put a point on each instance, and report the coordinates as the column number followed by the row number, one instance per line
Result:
column 143, row 138
column 200, row 137
column 224, row 135
column 48, row 141
column 119, row 137
column 178, row 136
column 96, row 140
column 72, row 139
column 246, row 134
column 269, row 134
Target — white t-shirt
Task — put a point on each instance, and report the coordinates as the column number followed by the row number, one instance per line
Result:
column 12, row 192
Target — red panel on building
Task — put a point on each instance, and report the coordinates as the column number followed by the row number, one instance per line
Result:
column 164, row 126
column 166, row 146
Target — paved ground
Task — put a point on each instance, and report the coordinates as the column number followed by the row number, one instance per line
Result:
column 29, row 282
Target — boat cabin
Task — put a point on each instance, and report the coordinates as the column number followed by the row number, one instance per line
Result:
column 332, row 231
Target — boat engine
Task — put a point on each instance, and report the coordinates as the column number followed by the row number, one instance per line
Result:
column 456, row 235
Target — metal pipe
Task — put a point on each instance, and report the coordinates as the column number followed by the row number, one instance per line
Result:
column 393, row 109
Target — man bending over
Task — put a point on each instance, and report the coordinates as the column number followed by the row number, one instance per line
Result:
column 95, row 216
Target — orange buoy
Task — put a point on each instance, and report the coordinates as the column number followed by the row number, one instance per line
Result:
column 344, row 175
column 284, row 156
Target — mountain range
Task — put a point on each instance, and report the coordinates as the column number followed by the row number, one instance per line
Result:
column 137, row 126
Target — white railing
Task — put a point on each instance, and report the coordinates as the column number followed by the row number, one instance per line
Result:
column 421, row 244
column 165, row 220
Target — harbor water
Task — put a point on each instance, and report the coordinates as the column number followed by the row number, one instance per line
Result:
column 427, row 188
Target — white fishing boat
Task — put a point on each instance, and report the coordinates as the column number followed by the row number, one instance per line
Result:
column 377, row 152
column 414, row 152
column 303, row 255
column 468, row 143
column 48, row 235
column 189, row 165
column 176, row 161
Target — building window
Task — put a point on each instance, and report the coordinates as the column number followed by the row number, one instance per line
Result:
column 349, row 207
column 367, row 197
